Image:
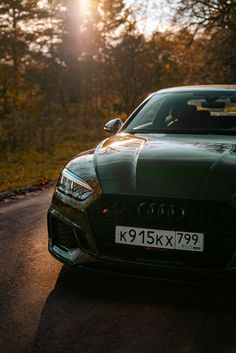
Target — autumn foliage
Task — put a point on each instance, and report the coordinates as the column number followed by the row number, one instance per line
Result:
column 64, row 72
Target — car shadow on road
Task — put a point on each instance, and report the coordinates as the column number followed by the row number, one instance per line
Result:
column 90, row 312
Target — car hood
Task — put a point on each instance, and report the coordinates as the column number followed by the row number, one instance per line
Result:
column 173, row 166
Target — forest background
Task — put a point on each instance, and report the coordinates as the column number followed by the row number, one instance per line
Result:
column 68, row 66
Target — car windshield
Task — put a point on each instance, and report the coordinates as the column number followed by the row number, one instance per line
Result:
column 187, row 112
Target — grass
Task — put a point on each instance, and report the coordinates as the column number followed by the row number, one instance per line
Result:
column 33, row 168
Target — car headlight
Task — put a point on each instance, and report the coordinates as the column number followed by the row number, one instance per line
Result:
column 71, row 185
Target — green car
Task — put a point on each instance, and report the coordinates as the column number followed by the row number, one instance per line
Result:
column 158, row 198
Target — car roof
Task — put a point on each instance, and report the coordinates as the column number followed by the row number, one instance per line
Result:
column 209, row 88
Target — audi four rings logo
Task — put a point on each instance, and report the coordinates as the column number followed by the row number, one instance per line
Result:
column 161, row 211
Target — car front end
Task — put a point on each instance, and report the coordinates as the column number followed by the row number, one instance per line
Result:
column 159, row 205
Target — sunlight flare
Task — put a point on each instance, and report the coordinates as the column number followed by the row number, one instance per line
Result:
column 84, row 7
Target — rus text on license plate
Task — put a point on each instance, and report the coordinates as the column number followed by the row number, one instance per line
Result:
column 159, row 238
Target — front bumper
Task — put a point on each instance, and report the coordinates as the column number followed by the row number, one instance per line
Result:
column 68, row 220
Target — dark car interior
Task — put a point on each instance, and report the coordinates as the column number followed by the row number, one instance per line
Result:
column 188, row 112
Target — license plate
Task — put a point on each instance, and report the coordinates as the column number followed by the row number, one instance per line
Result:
column 159, row 238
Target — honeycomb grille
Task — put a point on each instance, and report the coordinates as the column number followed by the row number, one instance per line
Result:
column 63, row 235
column 217, row 220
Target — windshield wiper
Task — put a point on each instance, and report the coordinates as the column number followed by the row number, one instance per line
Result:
column 180, row 132
column 222, row 132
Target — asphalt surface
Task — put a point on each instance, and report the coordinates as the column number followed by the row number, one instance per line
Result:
column 47, row 307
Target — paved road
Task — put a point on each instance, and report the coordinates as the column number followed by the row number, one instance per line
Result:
column 46, row 307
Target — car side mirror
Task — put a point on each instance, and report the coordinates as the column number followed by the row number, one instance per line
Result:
column 113, row 125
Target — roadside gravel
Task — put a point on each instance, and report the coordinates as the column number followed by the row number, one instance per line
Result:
column 20, row 193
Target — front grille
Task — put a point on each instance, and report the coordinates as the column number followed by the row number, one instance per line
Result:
column 63, row 235
column 216, row 219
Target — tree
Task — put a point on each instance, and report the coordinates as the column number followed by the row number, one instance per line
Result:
column 208, row 14
column 18, row 29
column 130, row 70
column 214, row 21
